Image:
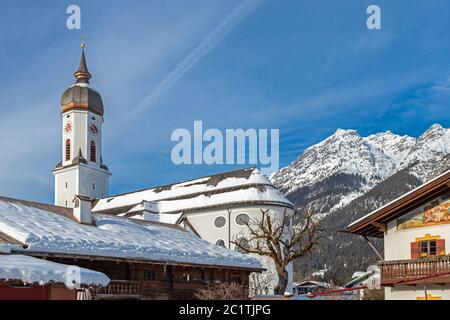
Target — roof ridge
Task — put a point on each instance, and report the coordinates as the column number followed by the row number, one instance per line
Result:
column 179, row 182
column 38, row 205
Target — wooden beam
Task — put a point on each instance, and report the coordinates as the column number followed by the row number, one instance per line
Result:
column 126, row 260
column 190, row 226
column 374, row 249
column 380, row 226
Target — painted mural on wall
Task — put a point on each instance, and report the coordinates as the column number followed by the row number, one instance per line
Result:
column 435, row 212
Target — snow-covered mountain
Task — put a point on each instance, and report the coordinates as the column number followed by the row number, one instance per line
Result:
column 347, row 176
column 357, row 164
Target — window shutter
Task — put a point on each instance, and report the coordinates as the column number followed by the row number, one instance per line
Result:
column 67, row 149
column 440, row 247
column 414, row 250
column 93, row 152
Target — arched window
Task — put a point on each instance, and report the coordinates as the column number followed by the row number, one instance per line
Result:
column 67, row 149
column 93, row 152
column 243, row 244
column 221, row 243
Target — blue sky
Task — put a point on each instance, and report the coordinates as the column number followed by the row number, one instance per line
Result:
column 305, row 67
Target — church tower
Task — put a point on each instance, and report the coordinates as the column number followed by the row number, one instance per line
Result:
column 81, row 171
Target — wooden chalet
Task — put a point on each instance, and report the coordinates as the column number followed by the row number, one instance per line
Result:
column 144, row 260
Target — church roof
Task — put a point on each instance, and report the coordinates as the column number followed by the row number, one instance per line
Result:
column 229, row 189
column 45, row 229
column 82, row 74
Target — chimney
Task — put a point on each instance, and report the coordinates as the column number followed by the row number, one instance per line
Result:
column 82, row 209
column 150, row 210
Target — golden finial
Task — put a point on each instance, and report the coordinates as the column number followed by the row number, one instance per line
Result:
column 83, row 43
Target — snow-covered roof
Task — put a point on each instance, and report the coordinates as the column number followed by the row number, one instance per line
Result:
column 48, row 232
column 310, row 283
column 373, row 213
column 6, row 248
column 232, row 188
column 358, row 278
column 36, row 271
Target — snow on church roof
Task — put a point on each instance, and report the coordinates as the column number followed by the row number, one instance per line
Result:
column 247, row 185
column 48, row 232
column 36, row 271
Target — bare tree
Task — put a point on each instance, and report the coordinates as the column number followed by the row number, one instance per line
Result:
column 222, row 291
column 260, row 283
column 279, row 238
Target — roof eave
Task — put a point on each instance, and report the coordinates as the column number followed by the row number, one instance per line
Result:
column 400, row 206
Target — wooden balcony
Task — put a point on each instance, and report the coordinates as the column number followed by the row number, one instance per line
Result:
column 118, row 289
column 411, row 272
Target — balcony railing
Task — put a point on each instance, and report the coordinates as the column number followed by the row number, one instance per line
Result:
column 118, row 289
column 427, row 270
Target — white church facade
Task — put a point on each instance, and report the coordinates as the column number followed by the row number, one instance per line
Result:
column 214, row 208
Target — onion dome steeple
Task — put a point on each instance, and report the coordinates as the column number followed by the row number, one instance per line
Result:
column 82, row 74
column 80, row 95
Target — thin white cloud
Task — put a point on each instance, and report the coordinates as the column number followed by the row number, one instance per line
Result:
column 208, row 44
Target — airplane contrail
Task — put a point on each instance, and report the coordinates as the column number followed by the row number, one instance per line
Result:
column 208, row 44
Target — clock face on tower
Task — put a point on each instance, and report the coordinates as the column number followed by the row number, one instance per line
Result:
column 93, row 129
column 68, row 127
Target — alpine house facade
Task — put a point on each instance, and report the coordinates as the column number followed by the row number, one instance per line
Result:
column 416, row 233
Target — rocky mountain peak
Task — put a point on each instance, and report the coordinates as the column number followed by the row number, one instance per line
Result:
column 346, row 176
column 434, row 131
column 372, row 159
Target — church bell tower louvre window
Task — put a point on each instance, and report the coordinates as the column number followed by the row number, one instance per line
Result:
column 67, row 149
column 93, row 152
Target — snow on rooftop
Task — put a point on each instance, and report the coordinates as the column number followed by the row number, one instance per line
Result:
column 241, row 179
column 36, row 271
column 270, row 194
column 6, row 248
column 113, row 237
